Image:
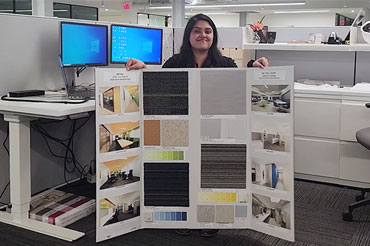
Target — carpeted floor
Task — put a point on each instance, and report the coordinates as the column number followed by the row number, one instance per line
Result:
column 318, row 221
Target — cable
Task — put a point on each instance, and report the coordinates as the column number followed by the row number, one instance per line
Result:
column 2, row 193
column 7, row 136
column 69, row 156
column 45, row 135
column 7, row 150
column 69, row 148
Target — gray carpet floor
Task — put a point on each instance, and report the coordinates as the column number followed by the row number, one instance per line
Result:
column 318, row 221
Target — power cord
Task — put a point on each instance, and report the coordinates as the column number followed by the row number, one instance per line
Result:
column 69, row 156
column 7, row 150
column 69, row 148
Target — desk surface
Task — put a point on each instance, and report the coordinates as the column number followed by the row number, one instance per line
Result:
column 45, row 110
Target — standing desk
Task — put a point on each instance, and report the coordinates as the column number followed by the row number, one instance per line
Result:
column 19, row 115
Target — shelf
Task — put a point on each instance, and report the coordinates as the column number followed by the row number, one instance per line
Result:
column 308, row 47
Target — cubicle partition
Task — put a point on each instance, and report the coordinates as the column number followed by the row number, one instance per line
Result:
column 29, row 48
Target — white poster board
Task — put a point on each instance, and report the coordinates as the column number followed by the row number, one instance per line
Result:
column 195, row 148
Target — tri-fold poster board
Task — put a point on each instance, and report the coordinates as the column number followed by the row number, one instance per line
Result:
column 195, row 148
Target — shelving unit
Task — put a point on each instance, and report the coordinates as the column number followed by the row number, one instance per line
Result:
column 307, row 47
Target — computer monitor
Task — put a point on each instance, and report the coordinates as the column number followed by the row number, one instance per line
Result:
column 83, row 44
column 141, row 43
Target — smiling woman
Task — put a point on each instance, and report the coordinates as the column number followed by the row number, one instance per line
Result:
column 199, row 49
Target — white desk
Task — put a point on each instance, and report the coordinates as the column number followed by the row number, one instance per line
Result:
column 19, row 115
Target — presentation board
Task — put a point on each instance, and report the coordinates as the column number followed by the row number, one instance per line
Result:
column 195, row 148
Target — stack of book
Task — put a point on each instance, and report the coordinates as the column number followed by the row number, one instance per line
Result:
column 61, row 208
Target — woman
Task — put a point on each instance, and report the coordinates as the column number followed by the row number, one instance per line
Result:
column 199, row 50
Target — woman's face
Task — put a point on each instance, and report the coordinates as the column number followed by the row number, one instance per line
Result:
column 201, row 37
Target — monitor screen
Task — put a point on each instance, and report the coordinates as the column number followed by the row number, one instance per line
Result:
column 141, row 43
column 84, row 44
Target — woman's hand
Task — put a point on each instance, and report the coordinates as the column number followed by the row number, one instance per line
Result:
column 261, row 62
column 134, row 64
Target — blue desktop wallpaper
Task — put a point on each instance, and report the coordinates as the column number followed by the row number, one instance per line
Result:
column 144, row 44
column 84, row 44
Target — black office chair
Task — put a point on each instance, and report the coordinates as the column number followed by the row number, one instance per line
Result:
column 363, row 138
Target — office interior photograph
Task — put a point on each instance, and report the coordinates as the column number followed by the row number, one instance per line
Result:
column 117, row 209
column 117, row 136
column 272, row 175
column 109, row 100
column 271, row 98
column 50, row 51
column 119, row 172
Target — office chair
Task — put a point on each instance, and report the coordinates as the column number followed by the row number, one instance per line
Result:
column 363, row 138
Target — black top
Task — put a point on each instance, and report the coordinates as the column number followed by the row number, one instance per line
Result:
column 176, row 62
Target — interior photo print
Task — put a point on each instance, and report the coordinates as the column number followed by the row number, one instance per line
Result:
column 109, row 100
column 275, row 212
column 119, row 208
column 271, row 174
column 273, row 141
column 130, row 98
column 270, row 98
column 119, row 172
column 119, row 136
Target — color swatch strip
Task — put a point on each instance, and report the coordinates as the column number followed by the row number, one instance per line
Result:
column 216, row 197
column 154, row 155
column 170, row 216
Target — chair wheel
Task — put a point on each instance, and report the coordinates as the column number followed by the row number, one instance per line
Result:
column 347, row 216
column 360, row 197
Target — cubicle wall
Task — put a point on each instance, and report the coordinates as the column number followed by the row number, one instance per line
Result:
column 29, row 47
column 362, row 67
column 315, row 65
column 228, row 37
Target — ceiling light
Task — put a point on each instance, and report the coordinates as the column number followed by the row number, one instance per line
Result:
column 215, row 13
column 106, row 9
column 231, row 5
column 302, row 11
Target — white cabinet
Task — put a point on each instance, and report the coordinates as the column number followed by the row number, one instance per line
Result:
column 354, row 116
column 316, row 157
column 325, row 146
column 354, row 162
column 317, row 118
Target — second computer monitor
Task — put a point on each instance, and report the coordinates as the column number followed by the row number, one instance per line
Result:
column 141, row 43
column 84, row 44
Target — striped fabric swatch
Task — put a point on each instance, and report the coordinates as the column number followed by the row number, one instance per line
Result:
column 223, row 166
column 165, row 93
column 166, row 184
